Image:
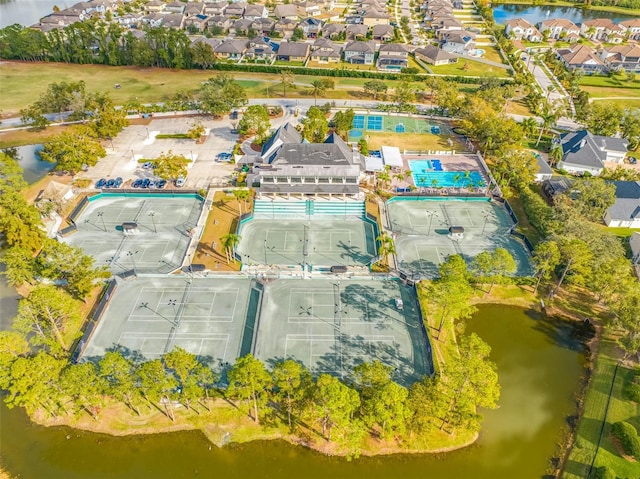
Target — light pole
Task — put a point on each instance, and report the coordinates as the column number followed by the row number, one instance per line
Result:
column 153, row 214
column 486, row 219
column 265, row 251
column 172, row 302
column 130, row 254
column 431, row 214
column 100, row 215
column 147, row 133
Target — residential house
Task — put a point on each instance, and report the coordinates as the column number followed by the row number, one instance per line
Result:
column 286, row 12
column 560, row 28
column 434, row 55
column 173, row 20
column 360, row 53
column 634, row 245
column 221, row 22
column 175, row 7
column 241, row 26
column 544, row 170
column 215, row 8
column 289, row 166
column 199, row 22
column 263, row 25
column 293, row 52
column 231, row 49
column 285, row 27
column 556, row 185
column 130, row 19
column 193, row 8
column 375, row 17
column 616, row 34
column 622, row 57
column 625, row 212
column 253, row 12
column 261, row 50
column 460, row 42
column 212, row 42
column 583, row 152
column 235, row 9
column 311, row 27
column 520, row 29
column 633, row 28
column 308, row 9
column 56, row 20
column 325, row 51
column 357, row 32
column 446, row 24
column 392, row 56
column 333, row 30
column 154, row 20
column 581, row 57
column 382, row 33
column 598, row 28
column 154, row 6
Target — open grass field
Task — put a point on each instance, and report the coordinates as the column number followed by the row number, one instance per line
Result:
column 10, row 139
column 411, row 141
column 609, row 82
column 595, row 408
column 472, row 68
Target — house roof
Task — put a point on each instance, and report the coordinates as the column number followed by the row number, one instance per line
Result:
column 624, row 51
column 393, row 47
column 360, row 47
column 294, row 49
column 580, row 148
column 320, row 188
column 434, row 53
column 330, row 28
column 519, row 22
column 459, row 36
column 285, row 11
column 357, row 29
column 543, row 166
column 579, row 55
column 254, row 10
column 599, row 23
column 379, row 30
column 634, row 23
column 231, row 46
column 627, row 205
column 375, row 14
column 558, row 22
column 285, row 134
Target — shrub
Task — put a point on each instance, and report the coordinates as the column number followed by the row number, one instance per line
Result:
column 628, row 437
column 603, row 472
column 540, row 214
column 631, row 388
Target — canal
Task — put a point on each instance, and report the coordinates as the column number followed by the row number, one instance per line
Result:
column 536, row 14
column 539, row 363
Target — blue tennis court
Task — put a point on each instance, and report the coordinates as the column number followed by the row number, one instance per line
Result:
column 358, row 122
column 374, row 123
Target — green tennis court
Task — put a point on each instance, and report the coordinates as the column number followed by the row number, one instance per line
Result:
column 147, row 317
column 421, row 228
column 322, row 242
column 331, row 326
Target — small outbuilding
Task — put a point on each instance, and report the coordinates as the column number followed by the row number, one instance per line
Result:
column 456, row 232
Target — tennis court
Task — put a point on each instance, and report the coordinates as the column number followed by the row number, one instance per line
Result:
column 347, row 242
column 211, row 317
column 331, row 326
column 396, row 124
column 159, row 242
column 422, row 226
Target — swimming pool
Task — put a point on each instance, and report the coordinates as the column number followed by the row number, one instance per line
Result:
column 425, row 177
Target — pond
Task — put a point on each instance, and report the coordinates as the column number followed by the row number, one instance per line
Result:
column 539, row 362
column 536, row 14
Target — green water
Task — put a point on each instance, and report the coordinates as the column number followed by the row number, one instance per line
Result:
column 539, row 365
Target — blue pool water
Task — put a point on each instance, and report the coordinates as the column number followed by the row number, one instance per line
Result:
column 424, row 176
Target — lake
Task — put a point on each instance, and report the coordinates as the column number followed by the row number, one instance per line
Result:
column 539, row 364
column 536, row 14
column 28, row 12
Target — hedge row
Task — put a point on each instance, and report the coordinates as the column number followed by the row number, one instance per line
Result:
column 338, row 72
column 628, row 437
column 540, row 214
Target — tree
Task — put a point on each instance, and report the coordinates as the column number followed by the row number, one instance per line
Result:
column 516, row 165
column 156, row 385
column 404, row 95
column 229, row 243
column 220, row 94
column 241, row 194
column 451, row 298
column 592, row 197
column 106, row 120
column 494, row 265
column 548, row 117
column 318, row 87
column 60, row 96
column 73, row 150
column 83, row 385
column 454, row 268
column 343, row 123
column 12, row 346
column 203, row 54
column 603, row 118
column 298, row 34
column 315, row 126
column 575, row 259
column 375, row 88
column 34, row 117
column 529, row 126
column 255, row 121
column 363, row 146
column 334, row 403
column 45, row 316
column 169, row 166
column 291, row 382
column 186, row 367
column 386, row 246
column 546, row 258
column 119, row 376
column 34, row 383
column 631, row 128
column 286, row 79
column 249, row 381
column 19, row 266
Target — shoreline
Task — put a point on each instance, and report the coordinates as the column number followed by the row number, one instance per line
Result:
column 595, row 8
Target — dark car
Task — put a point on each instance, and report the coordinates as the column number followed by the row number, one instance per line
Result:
column 137, row 184
column 147, row 165
column 233, row 115
column 111, row 183
column 145, row 183
column 100, row 183
column 117, row 182
column 152, row 183
column 161, row 184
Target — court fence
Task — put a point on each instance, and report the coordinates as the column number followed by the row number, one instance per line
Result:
column 96, row 316
column 514, row 218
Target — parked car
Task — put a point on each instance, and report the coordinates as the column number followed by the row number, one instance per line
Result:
column 146, row 165
column 152, row 184
column 110, row 183
column 118, row 182
column 145, row 183
column 225, row 157
column 233, row 115
column 180, row 181
column 161, row 184
column 136, row 184
column 100, row 183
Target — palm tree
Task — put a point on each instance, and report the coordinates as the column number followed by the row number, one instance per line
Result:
column 229, row 243
column 399, row 177
column 434, row 184
column 548, row 117
column 387, row 246
column 286, row 79
column 241, row 195
column 529, row 126
column 318, row 87
column 457, row 177
column 467, row 178
column 384, row 177
column 555, row 155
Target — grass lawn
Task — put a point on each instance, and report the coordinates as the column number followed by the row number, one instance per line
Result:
column 491, row 54
column 412, row 141
column 594, row 413
column 9, row 139
column 621, row 102
column 622, row 232
column 608, row 82
column 518, row 108
column 473, row 68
